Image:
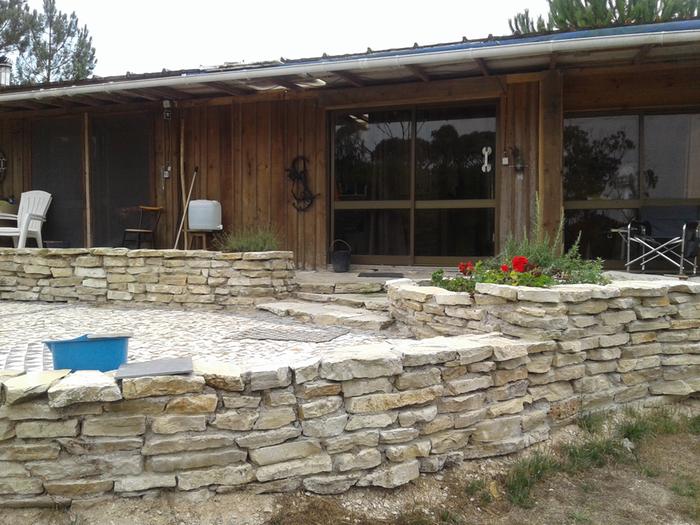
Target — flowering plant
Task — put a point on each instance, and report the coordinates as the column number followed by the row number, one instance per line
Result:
column 520, row 272
column 533, row 259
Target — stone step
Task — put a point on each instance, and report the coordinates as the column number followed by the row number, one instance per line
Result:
column 329, row 314
column 363, row 287
column 374, row 301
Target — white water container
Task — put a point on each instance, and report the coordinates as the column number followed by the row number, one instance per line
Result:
column 204, row 216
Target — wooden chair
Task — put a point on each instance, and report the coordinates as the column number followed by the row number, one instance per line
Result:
column 146, row 229
column 31, row 215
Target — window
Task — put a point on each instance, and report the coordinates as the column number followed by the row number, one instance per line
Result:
column 630, row 167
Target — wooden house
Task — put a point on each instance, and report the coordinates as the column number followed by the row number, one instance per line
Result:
column 418, row 156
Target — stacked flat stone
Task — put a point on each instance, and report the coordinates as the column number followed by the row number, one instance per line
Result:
column 372, row 415
column 614, row 343
column 193, row 278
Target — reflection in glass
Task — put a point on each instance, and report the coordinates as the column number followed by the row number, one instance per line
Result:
column 601, row 158
column 455, row 233
column 672, row 156
column 449, row 158
column 374, row 232
column 594, row 228
column 372, row 156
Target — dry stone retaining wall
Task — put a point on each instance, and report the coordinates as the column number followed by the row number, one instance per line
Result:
column 122, row 276
column 374, row 415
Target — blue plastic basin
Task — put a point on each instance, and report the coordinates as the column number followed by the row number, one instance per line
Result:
column 89, row 352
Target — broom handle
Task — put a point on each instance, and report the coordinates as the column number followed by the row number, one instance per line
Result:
column 184, row 211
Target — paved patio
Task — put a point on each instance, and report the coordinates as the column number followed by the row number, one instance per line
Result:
column 245, row 338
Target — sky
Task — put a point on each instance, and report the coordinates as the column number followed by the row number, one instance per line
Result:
column 149, row 35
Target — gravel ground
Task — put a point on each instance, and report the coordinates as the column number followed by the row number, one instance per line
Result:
column 224, row 336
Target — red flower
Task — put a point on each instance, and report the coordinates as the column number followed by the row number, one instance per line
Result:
column 519, row 263
column 465, row 268
column 504, row 268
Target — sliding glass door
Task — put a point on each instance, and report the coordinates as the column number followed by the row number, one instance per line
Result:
column 416, row 185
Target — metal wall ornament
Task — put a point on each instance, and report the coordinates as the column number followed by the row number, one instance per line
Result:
column 301, row 192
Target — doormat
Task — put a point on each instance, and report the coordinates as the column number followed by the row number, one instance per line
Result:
column 299, row 334
column 392, row 275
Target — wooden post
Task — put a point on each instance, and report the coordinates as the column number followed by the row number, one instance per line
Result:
column 182, row 178
column 86, row 174
column 551, row 139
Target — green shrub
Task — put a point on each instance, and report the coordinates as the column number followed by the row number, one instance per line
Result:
column 249, row 239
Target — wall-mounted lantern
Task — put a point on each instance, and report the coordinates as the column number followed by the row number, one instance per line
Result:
column 518, row 162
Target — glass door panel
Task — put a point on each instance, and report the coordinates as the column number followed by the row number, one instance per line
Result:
column 449, row 153
column 373, row 156
column 415, row 186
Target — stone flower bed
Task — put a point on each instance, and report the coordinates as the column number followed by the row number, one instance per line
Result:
column 373, row 415
column 122, row 276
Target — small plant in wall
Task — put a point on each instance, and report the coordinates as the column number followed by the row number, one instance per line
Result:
column 536, row 259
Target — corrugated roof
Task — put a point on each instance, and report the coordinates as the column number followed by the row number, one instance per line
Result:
column 494, row 55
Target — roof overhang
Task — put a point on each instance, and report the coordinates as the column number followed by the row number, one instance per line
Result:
column 666, row 42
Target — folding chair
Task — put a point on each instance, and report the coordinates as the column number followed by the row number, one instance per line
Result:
column 662, row 237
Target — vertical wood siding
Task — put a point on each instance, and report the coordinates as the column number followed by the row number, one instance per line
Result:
column 242, row 151
column 519, row 122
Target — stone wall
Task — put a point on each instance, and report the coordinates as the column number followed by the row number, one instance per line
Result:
column 122, row 276
column 375, row 415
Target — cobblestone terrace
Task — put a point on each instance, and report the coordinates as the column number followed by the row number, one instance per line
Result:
column 242, row 338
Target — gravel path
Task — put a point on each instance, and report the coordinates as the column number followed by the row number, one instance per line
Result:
column 247, row 338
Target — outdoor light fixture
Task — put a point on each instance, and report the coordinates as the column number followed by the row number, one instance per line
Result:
column 519, row 165
column 167, row 110
column 5, row 71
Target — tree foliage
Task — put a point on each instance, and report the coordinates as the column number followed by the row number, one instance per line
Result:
column 58, row 48
column 569, row 15
column 15, row 22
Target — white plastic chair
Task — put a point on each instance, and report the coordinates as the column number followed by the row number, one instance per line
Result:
column 31, row 214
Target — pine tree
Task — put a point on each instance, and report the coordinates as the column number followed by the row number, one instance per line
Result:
column 58, row 49
column 15, row 21
column 569, row 15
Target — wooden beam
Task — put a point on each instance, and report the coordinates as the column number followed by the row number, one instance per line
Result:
column 350, row 78
column 86, row 174
column 147, row 95
column 483, row 67
column 31, row 104
column 112, row 97
column 553, row 61
column 419, row 72
column 86, row 100
column 643, row 53
column 231, row 89
column 412, row 93
column 551, row 140
column 165, row 92
column 285, row 83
